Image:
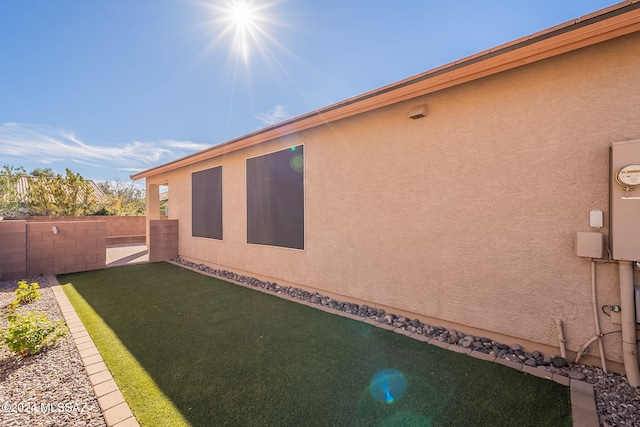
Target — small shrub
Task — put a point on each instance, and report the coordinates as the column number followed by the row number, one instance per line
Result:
column 26, row 293
column 29, row 333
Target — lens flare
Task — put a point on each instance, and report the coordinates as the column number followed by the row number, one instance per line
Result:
column 388, row 385
column 297, row 162
column 363, row 329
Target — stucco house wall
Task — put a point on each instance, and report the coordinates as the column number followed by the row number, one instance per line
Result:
column 465, row 218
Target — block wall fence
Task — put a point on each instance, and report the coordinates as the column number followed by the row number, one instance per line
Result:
column 13, row 249
column 32, row 248
column 29, row 247
column 163, row 239
column 120, row 229
column 77, row 246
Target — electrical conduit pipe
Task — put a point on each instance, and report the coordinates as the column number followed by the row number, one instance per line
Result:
column 628, row 312
column 596, row 318
column 598, row 336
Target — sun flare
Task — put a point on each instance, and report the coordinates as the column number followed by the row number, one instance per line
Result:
column 241, row 14
column 245, row 25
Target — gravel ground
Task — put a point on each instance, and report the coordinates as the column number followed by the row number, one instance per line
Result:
column 50, row 388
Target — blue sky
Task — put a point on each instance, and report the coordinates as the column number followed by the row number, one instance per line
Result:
column 108, row 88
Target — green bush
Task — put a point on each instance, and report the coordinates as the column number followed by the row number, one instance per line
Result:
column 26, row 293
column 29, row 333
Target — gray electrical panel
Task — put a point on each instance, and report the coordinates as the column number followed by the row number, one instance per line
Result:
column 625, row 200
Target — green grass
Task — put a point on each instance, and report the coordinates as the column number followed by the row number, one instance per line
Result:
column 201, row 351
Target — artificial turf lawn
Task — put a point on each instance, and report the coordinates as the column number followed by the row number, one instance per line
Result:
column 227, row 355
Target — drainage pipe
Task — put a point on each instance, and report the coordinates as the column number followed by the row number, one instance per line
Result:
column 628, row 312
column 561, row 340
column 596, row 319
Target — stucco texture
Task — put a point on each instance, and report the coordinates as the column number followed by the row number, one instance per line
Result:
column 467, row 216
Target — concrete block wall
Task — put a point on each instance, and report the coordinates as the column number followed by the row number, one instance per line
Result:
column 116, row 225
column 77, row 246
column 125, row 225
column 163, row 239
column 13, row 249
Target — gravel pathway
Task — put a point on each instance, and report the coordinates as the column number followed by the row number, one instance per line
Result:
column 50, row 388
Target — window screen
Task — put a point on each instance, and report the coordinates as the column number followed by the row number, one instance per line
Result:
column 206, row 203
column 275, row 199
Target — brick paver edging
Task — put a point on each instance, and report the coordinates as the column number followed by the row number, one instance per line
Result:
column 115, row 410
column 583, row 402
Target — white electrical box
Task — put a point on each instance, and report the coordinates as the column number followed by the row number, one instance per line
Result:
column 616, row 318
column 589, row 244
column 596, row 219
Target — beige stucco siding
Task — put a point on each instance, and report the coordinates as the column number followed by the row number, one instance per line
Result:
column 467, row 215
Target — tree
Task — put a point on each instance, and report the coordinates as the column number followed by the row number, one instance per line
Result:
column 11, row 202
column 43, row 172
column 48, row 193
column 69, row 195
column 122, row 198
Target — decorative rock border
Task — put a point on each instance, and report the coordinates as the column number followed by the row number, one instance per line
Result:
column 583, row 403
column 115, row 410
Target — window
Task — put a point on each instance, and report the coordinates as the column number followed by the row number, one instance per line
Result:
column 275, row 199
column 164, row 200
column 206, row 203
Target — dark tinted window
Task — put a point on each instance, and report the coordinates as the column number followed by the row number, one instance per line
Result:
column 275, row 199
column 206, row 203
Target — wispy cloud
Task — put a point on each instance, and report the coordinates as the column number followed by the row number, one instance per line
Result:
column 131, row 169
column 185, row 145
column 48, row 145
column 275, row 115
